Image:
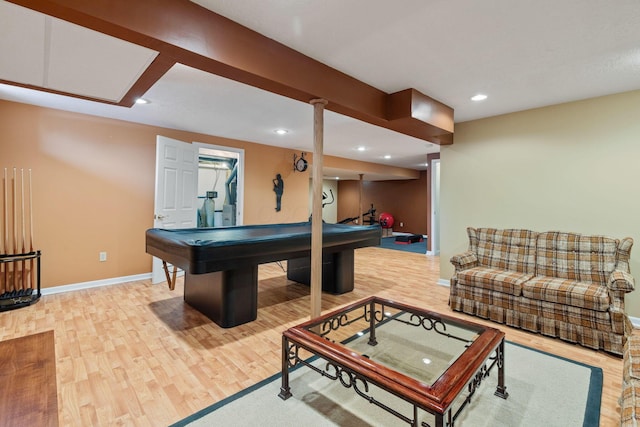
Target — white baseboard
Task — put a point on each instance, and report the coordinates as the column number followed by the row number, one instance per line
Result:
column 94, row 284
column 444, row 282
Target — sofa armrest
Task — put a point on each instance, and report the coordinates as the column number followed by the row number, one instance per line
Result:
column 621, row 281
column 464, row 261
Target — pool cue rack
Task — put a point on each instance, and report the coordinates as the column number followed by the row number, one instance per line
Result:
column 19, row 262
column 21, row 295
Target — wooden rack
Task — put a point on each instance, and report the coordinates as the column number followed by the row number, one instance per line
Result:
column 20, row 270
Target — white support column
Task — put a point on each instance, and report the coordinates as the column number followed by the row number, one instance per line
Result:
column 316, row 210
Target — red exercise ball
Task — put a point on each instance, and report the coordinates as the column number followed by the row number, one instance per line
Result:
column 386, row 220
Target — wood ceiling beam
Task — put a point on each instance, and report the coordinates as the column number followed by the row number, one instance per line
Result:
column 197, row 37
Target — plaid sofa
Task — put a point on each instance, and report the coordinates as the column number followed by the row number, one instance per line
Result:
column 564, row 285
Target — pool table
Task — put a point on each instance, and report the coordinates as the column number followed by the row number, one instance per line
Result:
column 221, row 264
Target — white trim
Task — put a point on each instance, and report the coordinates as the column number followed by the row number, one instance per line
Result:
column 434, row 170
column 95, row 284
column 444, row 282
column 635, row 321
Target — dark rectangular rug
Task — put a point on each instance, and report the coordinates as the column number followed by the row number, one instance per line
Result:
column 390, row 243
column 28, row 391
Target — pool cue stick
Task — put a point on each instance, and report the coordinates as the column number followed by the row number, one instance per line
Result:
column 3, row 268
column 31, row 230
column 23, row 285
column 15, row 230
column 6, row 230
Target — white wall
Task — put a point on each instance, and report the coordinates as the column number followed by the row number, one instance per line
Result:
column 212, row 180
column 570, row 167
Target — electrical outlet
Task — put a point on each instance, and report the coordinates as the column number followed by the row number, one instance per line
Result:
column 103, row 256
column 402, row 224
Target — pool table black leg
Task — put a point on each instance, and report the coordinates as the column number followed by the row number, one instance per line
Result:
column 229, row 298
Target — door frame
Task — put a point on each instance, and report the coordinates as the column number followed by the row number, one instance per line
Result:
column 434, row 234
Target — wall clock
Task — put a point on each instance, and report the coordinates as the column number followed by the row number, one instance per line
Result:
column 299, row 163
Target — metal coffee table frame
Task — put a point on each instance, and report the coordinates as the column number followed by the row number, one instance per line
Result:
column 358, row 371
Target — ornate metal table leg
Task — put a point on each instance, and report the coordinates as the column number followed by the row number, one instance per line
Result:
column 501, row 390
column 372, row 323
column 285, row 390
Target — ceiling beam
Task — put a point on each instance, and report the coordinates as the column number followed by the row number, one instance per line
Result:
column 197, row 37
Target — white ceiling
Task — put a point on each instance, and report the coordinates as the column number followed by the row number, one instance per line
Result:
column 47, row 52
column 521, row 54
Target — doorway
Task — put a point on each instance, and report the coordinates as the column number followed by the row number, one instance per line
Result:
column 220, row 185
column 179, row 194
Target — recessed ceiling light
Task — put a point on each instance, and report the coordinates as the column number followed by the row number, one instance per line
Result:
column 337, row 178
column 281, row 131
column 141, row 101
column 479, row 97
column 387, row 157
column 361, row 148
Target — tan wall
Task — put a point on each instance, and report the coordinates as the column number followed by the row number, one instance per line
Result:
column 93, row 185
column 407, row 201
column 570, row 167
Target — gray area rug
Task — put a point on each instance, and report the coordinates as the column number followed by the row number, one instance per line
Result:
column 544, row 390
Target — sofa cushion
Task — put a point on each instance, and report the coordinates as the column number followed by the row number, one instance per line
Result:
column 567, row 292
column 512, row 249
column 508, row 282
column 589, row 259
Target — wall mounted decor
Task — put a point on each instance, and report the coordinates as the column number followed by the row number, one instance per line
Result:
column 278, row 188
column 299, row 163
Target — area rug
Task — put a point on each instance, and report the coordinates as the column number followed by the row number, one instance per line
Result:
column 28, row 392
column 390, row 243
column 544, row 390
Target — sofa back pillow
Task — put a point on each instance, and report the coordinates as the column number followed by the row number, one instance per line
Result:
column 511, row 249
column 588, row 259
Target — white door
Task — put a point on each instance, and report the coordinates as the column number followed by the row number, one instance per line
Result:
column 176, row 190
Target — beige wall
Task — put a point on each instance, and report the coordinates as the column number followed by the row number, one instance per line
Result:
column 93, row 187
column 570, row 167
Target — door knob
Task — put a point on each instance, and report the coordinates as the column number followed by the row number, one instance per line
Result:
column 158, row 216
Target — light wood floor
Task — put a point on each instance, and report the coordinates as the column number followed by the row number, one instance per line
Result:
column 136, row 355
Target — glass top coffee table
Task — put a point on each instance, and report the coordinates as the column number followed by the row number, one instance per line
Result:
column 425, row 358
